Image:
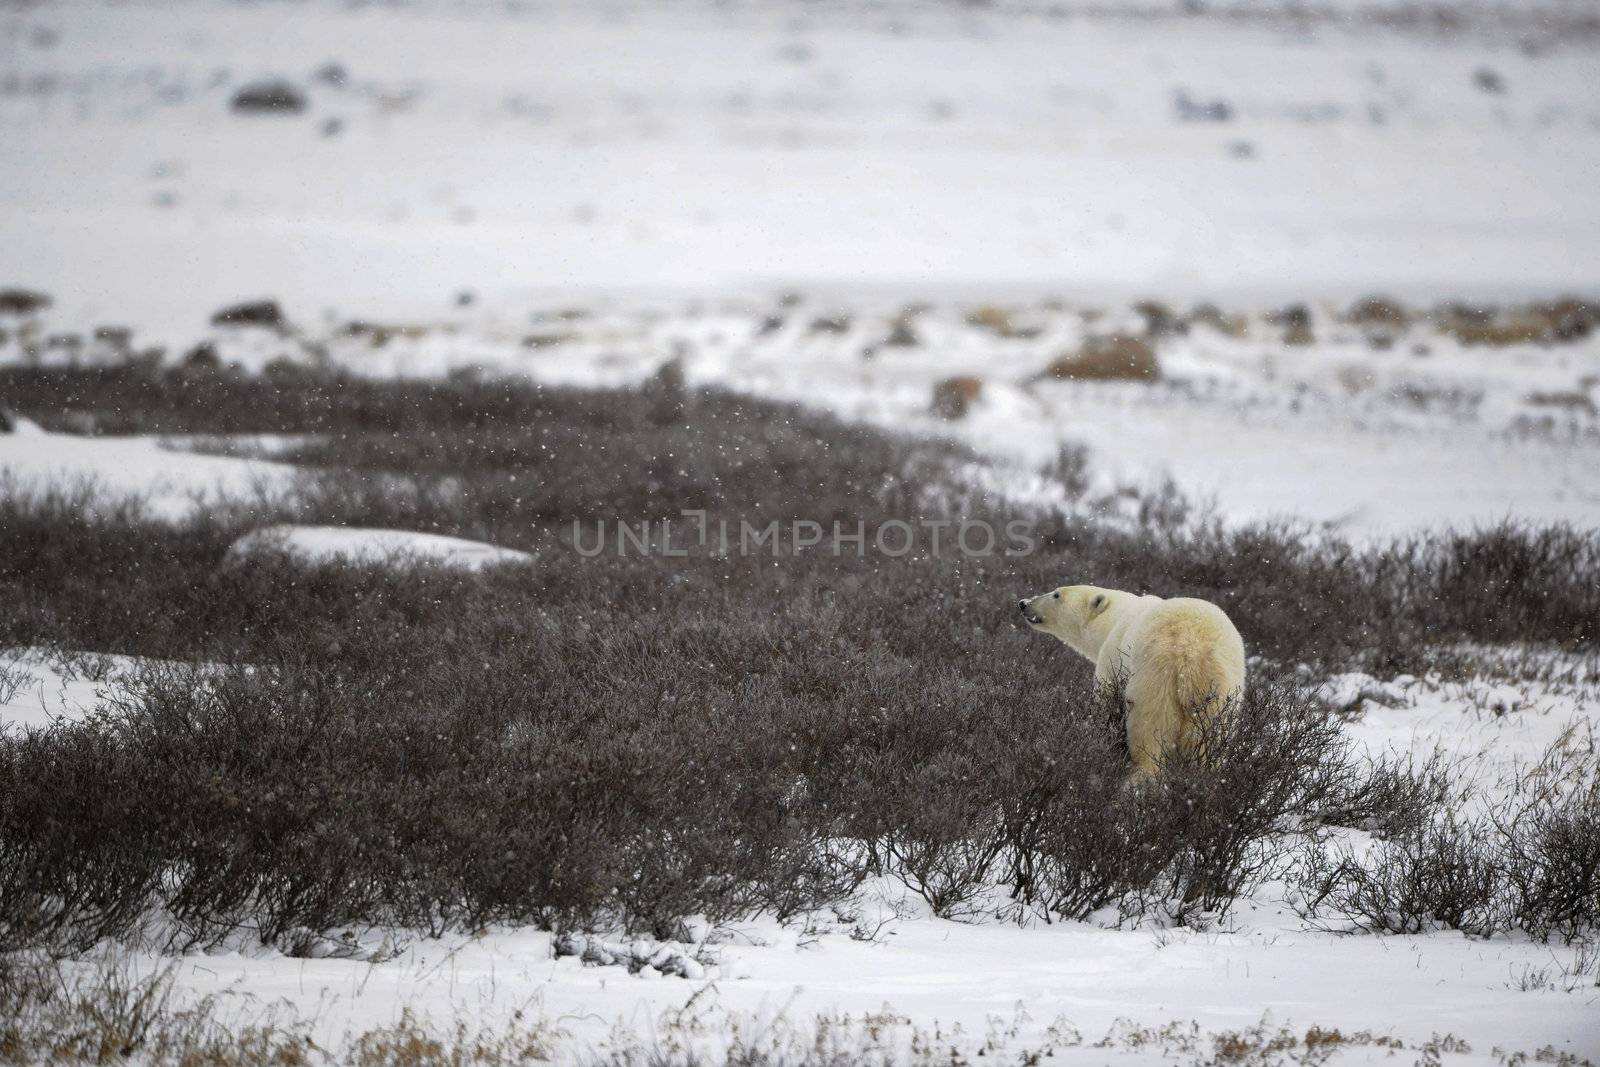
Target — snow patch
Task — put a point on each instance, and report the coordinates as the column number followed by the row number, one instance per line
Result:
column 322, row 544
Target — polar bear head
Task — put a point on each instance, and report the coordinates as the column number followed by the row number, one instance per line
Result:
column 1077, row 615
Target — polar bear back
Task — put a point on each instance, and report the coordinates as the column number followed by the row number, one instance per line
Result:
column 1181, row 660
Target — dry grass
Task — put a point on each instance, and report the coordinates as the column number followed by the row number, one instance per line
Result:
column 997, row 320
column 412, row 1043
column 105, row 1012
column 885, row 1039
column 102, row 1010
column 1552, row 322
column 1380, row 312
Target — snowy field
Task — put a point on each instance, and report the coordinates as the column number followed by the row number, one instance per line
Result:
column 460, row 175
column 854, row 206
column 518, row 149
column 1367, row 435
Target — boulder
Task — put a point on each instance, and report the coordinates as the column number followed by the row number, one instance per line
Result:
column 253, row 313
column 953, row 397
column 1107, row 358
column 270, row 96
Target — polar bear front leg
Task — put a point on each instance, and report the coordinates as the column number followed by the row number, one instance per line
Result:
column 1142, row 746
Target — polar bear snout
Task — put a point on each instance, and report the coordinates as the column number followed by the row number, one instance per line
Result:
column 1025, row 606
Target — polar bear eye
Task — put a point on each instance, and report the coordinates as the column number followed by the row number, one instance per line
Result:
column 1056, row 595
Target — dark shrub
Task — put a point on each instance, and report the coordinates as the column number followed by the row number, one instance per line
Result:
column 1442, row 874
column 1072, row 828
column 1394, row 797
column 630, row 740
column 1504, row 582
column 1551, row 850
column 73, row 865
column 1270, row 764
column 1533, row 863
column 22, row 302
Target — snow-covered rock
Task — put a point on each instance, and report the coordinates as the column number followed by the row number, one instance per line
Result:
column 320, row 544
column 1348, row 693
column 640, row 957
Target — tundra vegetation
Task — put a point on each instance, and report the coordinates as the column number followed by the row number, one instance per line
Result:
column 628, row 741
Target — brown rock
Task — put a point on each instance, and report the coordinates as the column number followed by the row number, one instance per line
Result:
column 953, row 397
column 264, row 313
column 1108, row 358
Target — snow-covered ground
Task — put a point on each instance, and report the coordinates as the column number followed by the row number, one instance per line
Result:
column 1418, row 431
column 985, row 985
column 317, row 544
column 1022, row 987
column 171, row 482
column 580, row 192
column 463, row 172
column 550, row 147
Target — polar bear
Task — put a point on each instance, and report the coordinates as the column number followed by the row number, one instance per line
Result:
column 1181, row 659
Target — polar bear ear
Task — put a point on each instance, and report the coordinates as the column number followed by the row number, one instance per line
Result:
column 1097, row 604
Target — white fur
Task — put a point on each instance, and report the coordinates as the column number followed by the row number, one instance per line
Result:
column 1181, row 660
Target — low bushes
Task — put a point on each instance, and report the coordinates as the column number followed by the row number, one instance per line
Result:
column 630, row 740
column 1531, row 864
column 486, row 772
column 518, row 464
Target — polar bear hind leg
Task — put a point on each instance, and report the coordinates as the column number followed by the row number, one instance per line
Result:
column 1178, row 681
